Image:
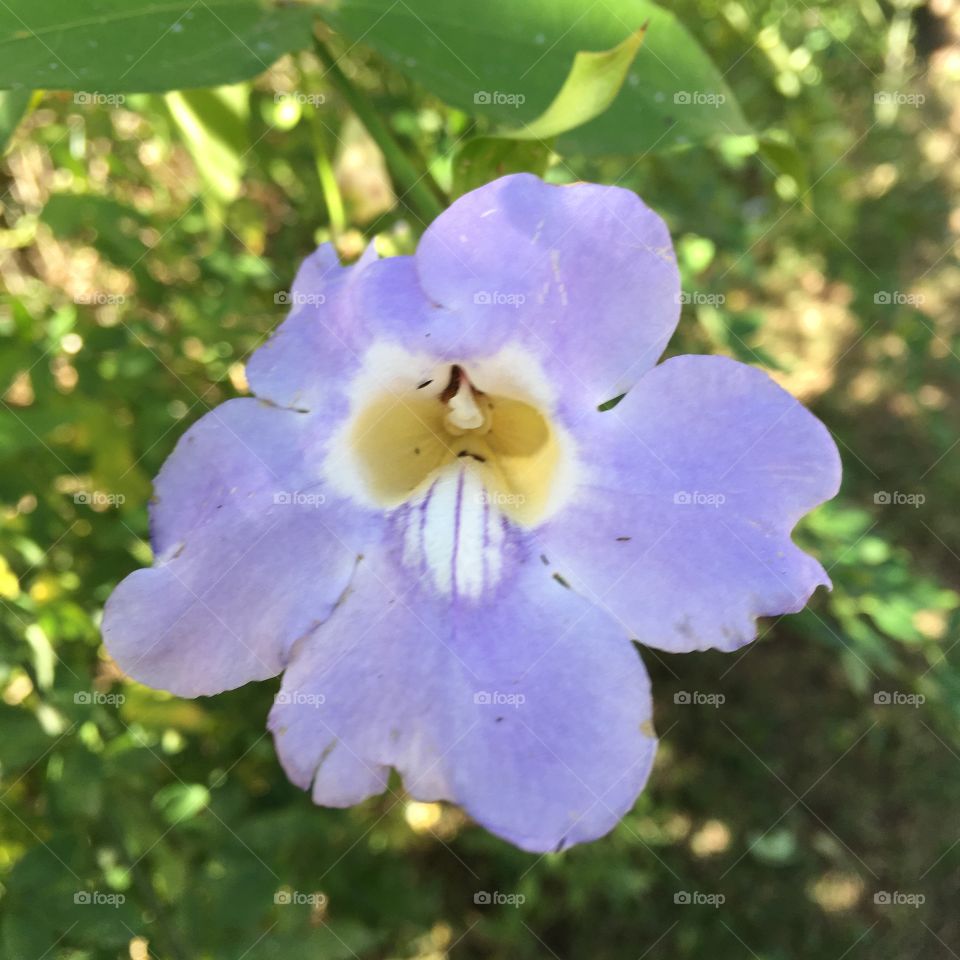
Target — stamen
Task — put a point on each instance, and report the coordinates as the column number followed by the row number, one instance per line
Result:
column 463, row 411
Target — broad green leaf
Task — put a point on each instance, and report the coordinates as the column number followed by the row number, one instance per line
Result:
column 506, row 61
column 486, row 158
column 591, row 86
column 126, row 46
column 213, row 125
column 13, row 107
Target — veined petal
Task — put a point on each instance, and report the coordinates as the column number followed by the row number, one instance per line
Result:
column 683, row 530
column 253, row 551
column 530, row 709
column 584, row 275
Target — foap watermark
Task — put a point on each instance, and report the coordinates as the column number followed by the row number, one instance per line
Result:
column 897, row 698
column 495, row 698
column 500, row 98
column 897, row 498
column 287, row 898
column 495, row 898
column 298, row 96
column 93, row 98
column 898, row 898
column 96, row 697
column 897, row 298
column 97, row 498
column 298, row 698
column 699, row 98
column 99, row 299
column 497, row 499
column 292, row 298
column 97, row 898
column 899, row 98
column 697, row 898
column 495, row 298
column 700, row 299
column 696, row 698
column 699, row 498
column 297, row 498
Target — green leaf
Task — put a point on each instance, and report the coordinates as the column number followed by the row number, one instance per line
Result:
column 13, row 106
column 182, row 801
column 591, row 86
column 125, row 46
column 55, row 896
column 23, row 742
column 486, row 158
column 506, row 61
column 213, row 126
column 44, row 659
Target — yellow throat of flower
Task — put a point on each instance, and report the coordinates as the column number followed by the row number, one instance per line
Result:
column 403, row 441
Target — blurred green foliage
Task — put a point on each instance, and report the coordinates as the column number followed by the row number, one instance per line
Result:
column 144, row 240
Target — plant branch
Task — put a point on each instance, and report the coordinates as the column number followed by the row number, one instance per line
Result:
column 415, row 185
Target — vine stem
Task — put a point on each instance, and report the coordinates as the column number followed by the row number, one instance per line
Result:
column 416, row 185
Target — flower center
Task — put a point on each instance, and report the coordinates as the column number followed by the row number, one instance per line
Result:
column 460, row 456
column 468, row 408
column 403, row 441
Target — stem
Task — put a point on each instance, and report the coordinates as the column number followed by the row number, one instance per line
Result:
column 416, row 186
column 328, row 181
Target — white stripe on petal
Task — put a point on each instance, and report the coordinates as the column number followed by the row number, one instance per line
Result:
column 454, row 534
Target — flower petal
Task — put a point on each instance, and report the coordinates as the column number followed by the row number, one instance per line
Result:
column 302, row 363
column 584, row 275
column 252, row 552
column 682, row 530
column 530, row 708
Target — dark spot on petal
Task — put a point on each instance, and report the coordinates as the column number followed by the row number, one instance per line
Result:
column 543, row 557
column 416, row 450
column 499, row 719
column 610, row 404
column 622, row 539
column 561, row 581
column 426, row 383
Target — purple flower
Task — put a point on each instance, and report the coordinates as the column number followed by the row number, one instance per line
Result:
column 425, row 522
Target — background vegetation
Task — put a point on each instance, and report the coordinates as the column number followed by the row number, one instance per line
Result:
column 145, row 238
